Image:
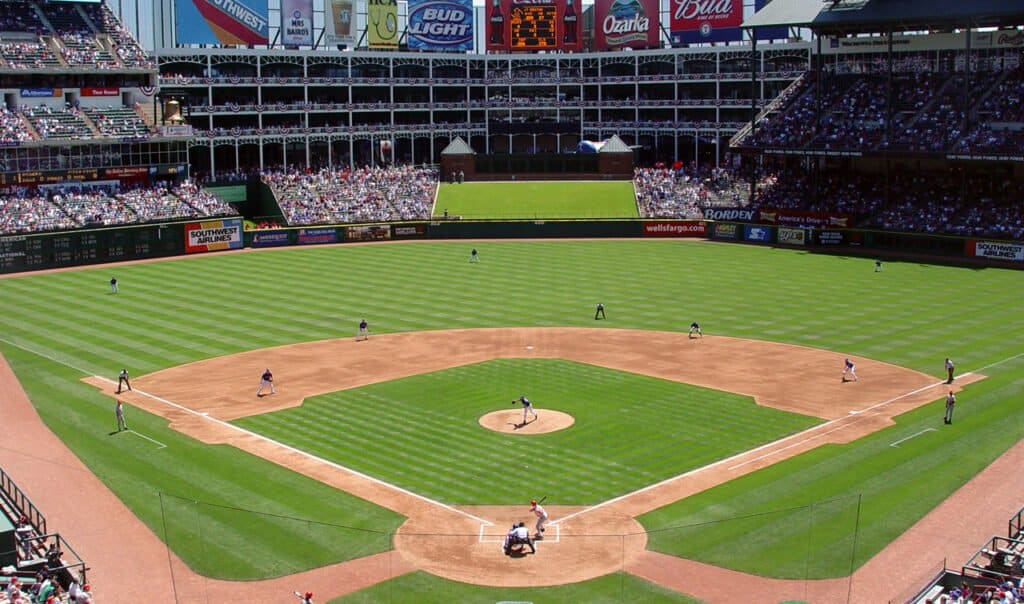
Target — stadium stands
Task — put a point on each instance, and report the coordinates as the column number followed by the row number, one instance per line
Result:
column 117, row 121
column 75, row 207
column 331, row 196
column 51, row 123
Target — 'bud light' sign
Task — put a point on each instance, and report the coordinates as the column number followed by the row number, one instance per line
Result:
column 697, row 21
column 626, row 24
column 441, row 24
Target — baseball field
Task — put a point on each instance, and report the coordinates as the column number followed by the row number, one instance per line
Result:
column 743, row 450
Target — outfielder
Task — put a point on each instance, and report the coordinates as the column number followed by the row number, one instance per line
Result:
column 849, row 369
column 266, row 381
column 542, row 517
column 599, row 312
column 527, row 408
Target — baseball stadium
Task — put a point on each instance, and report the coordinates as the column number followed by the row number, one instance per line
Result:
column 517, row 301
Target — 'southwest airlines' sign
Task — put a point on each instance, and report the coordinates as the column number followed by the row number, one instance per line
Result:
column 233, row 22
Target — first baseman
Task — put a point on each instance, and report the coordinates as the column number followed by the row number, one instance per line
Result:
column 542, row 517
column 949, row 371
column 266, row 381
column 527, row 408
column 122, row 380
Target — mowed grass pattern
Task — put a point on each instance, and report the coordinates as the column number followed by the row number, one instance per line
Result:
column 57, row 328
column 511, row 200
column 630, row 431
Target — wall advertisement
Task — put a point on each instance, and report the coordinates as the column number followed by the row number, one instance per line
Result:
column 382, row 24
column 681, row 228
column 997, row 250
column 235, row 22
column 211, row 235
column 626, row 24
column 440, row 24
column 340, row 22
column 533, row 25
column 297, row 22
column 757, row 233
column 701, row 21
column 788, row 236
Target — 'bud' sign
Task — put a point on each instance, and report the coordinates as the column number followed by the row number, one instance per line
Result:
column 695, row 21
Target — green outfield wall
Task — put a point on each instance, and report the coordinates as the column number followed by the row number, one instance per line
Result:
column 29, row 252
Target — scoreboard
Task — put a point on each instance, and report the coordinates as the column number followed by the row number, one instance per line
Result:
column 534, row 27
column 54, row 250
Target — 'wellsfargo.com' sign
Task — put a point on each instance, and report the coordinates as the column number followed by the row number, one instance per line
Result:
column 690, row 228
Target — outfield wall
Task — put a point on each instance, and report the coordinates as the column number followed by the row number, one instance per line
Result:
column 19, row 253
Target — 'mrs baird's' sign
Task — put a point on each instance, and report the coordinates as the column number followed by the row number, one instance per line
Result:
column 441, row 24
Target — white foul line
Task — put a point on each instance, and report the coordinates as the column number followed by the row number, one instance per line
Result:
column 301, row 452
column 754, row 450
column 159, row 444
column 897, row 443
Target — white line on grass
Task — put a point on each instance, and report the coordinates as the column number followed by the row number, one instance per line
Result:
column 159, row 444
column 46, row 356
column 301, row 452
column 748, row 452
column 1006, row 360
column 915, row 434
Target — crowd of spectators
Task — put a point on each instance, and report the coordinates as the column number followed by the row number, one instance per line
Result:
column 27, row 55
column 679, row 192
column 12, row 128
column 83, row 49
column 943, row 202
column 24, row 210
column 341, row 195
column 51, row 122
column 850, row 109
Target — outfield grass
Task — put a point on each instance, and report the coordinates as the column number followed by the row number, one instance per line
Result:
column 583, row 199
column 57, row 328
column 631, row 431
column 616, row 588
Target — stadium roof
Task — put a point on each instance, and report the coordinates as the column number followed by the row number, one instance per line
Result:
column 857, row 16
column 615, row 145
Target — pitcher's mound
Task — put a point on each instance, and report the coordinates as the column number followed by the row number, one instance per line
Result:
column 509, row 421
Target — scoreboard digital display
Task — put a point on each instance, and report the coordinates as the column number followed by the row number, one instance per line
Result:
column 54, row 250
column 534, row 26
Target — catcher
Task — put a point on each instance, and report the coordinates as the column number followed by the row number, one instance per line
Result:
column 527, row 408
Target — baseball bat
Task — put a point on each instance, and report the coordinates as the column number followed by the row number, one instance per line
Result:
column 542, row 499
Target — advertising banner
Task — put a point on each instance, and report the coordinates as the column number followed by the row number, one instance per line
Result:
column 297, row 22
column 370, row 232
column 408, row 230
column 270, row 238
column 699, row 21
column 106, row 91
column 769, row 33
column 211, row 235
column 440, row 24
column 739, row 214
column 757, row 233
column 41, row 92
column 725, row 230
column 315, row 236
column 235, row 22
column 340, row 21
column 788, row 236
column 804, row 219
column 839, row 237
column 683, row 228
column 626, row 24
column 382, row 24
column 999, row 251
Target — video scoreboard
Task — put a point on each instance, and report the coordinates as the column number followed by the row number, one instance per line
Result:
column 534, row 27
column 55, row 250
